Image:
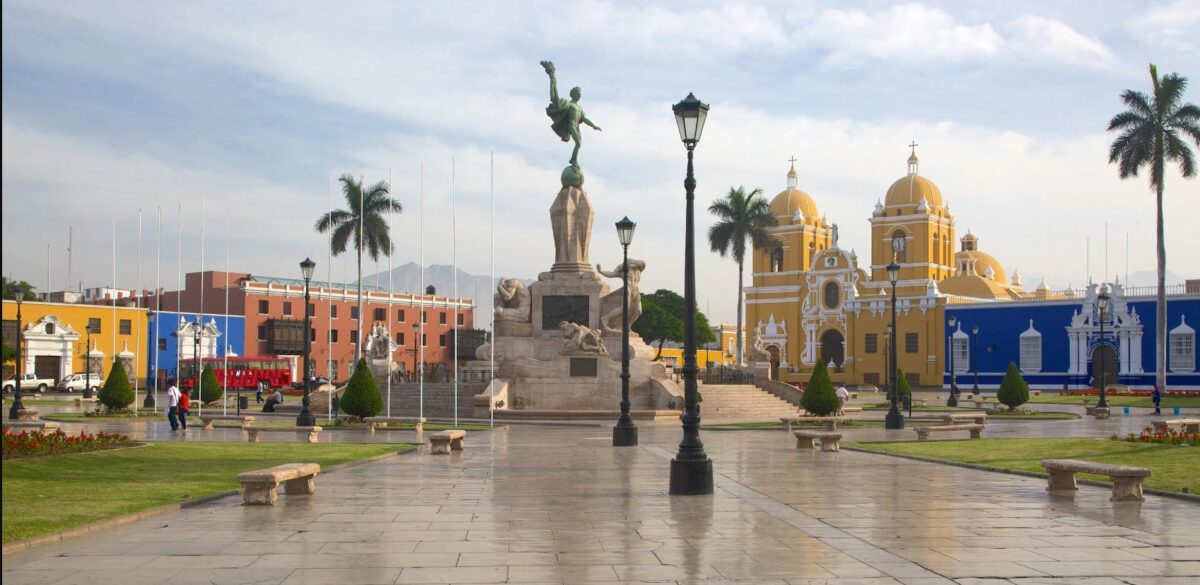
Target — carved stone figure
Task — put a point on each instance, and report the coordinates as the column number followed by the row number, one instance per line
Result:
column 379, row 345
column 580, row 339
column 610, row 304
column 567, row 115
column 758, row 350
column 512, row 301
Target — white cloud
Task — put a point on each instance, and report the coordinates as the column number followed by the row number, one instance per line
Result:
column 1040, row 38
column 631, row 27
column 908, row 33
column 1174, row 25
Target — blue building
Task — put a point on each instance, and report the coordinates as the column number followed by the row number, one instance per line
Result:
column 1057, row 341
column 172, row 337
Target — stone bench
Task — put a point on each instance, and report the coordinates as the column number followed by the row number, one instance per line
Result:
column 1100, row 411
column 207, row 420
column 829, row 441
column 977, row 418
column 306, row 434
column 383, row 421
column 80, row 401
column 44, row 425
column 851, row 409
column 975, row 429
column 440, row 443
column 1187, row 425
column 1127, row 480
column 260, row 486
column 830, row 421
column 28, row 415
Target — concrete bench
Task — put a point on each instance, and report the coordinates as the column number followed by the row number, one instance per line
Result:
column 306, row 434
column 1187, row 425
column 1127, row 480
column 207, row 420
column 829, row 441
column 1100, row 411
column 28, row 415
column 44, row 425
column 851, row 409
column 975, row 429
column 440, row 443
column 830, row 421
column 260, row 486
column 80, row 401
column 383, row 421
column 979, row 418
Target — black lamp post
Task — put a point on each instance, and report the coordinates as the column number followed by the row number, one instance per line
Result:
column 894, row 419
column 87, row 358
column 14, row 413
column 625, row 433
column 974, row 363
column 198, row 382
column 1102, row 306
column 691, row 469
column 306, row 418
column 953, row 400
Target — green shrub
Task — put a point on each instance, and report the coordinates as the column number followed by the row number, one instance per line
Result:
column 210, row 390
column 819, row 397
column 116, row 394
column 1013, row 390
column 361, row 397
column 905, row 394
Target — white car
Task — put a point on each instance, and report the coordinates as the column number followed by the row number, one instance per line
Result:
column 29, row 382
column 80, row 382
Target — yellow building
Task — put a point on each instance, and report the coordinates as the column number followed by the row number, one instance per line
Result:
column 722, row 352
column 810, row 299
column 55, row 338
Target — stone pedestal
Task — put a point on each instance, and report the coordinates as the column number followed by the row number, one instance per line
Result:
column 571, row 217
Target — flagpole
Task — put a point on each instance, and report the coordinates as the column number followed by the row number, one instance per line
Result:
column 225, row 367
column 157, row 300
column 178, row 289
column 389, row 301
column 362, row 186
column 329, row 290
column 454, row 262
column 137, row 339
column 492, row 345
column 200, row 319
column 421, row 303
column 114, row 289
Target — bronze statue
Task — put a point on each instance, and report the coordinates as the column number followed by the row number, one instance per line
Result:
column 567, row 115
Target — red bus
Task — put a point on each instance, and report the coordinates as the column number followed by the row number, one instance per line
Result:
column 242, row 373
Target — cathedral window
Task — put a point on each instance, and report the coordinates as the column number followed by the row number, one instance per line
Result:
column 960, row 346
column 910, row 343
column 1183, row 348
column 871, row 343
column 777, row 260
column 1031, row 349
column 832, row 295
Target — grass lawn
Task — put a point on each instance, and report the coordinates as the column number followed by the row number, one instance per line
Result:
column 1142, row 401
column 144, row 414
column 51, row 494
column 1172, row 467
column 194, row 419
column 40, row 402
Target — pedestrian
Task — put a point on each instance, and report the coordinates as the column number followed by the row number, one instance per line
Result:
column 258, row 390
column 276, row 398
column 173, row 404
column 843, row 395
column 185, row 403
column 1156, row 396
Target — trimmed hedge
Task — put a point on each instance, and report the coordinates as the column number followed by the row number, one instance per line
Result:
column 117, row 393
column 819, row 396
column 1013, row 390
column 361, row 397
column 210, row 390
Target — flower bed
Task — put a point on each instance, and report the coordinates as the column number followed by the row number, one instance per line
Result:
column 1131, row 392
column 37, row 444
column 1169, row 437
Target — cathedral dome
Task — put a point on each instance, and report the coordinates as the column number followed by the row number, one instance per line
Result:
column 910, row 190
column 793, row 202
column 985, row 265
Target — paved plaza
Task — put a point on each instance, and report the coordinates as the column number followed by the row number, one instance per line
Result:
column 558, row 504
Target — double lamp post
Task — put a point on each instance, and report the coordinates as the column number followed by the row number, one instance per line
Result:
column 625, row 433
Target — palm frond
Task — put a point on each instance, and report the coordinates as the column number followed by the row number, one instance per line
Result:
column 1176, row 150
column 1127, row 119
column 341, row 237
column 720, row 235
column 1138, row 102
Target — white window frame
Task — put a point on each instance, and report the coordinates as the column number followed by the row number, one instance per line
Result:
column 961, row 346
column 1030, row 350
column 1183, row 352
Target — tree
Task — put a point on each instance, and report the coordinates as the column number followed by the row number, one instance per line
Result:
column 210, row 390
column 662, row 321
column 116, row 394
column 1151, row 136
column 361, row 397
column 10, row 288
column 1013, row 390
column 902, row 385
column 364, row 220
column 741, row 218
column 819, row 397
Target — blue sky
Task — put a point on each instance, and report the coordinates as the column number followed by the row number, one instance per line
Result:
column 111, row 107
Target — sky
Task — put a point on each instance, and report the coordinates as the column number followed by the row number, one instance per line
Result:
column 237, row 114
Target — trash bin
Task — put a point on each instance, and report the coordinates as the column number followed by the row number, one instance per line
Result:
column 244, row 402
column 337, row 404
column 1176, row 410
column 1125, row 411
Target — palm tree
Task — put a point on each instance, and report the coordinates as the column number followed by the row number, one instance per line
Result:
column 741, row 218
column 1151, row 136
column 364, row 220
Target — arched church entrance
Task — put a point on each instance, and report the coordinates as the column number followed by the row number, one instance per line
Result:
column 833, row 347
column 1104, row 363
column 773, row 351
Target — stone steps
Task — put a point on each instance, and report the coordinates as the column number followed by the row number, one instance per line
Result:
column 742, row 401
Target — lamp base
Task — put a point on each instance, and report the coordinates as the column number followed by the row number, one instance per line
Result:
column 893, row 420
column 691, row 478
column 952, row 401
column 149, row 401
column 625, row 436
column 306, row 420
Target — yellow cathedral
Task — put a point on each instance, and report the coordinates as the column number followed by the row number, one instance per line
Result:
column 810, row 299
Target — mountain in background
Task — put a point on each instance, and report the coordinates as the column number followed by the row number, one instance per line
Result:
column 1030, row 280
column 407, row 279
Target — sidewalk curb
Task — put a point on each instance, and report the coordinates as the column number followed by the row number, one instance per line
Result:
column 21, row 545
column 1195, row 498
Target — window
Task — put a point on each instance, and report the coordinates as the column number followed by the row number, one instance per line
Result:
column 262, row 332
column 424, row 340
column 312, row 334
column 460, row 319
column 910, row 343
column 332, row 311
column 49, row 328
column 93, row 325
column 872, row 343
column 424, row 316
column 312, row 310
column 264, row 307
column 287, row 308
column 333, row 336
column 1182, row 351
column 832, row 295
column 400, row 338
column 380, row 314
column 354, row 313
column 732, row 345
column 354, row 336
column 125, row 327
column 777, row 259
column 960, row 346
column 400, row 315
column 1031, row 350
column 162, row 345
column 442, row 340
column 333, row 370
column 442, row 318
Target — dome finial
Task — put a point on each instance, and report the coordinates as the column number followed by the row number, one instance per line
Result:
column 912, row 158
column 791, row 176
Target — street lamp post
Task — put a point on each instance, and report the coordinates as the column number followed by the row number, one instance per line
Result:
column 87, row 359
column 691, row 469
column 14, row 413
column 625, row 434
column 894, row 419
column 1102, row 306
column 953, row 400
column 974, row 362
column 198, row 382
column 306, row 418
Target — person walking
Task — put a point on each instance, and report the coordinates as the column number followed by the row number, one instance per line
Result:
column 843, row 395
column 173, row 404
column 258, row 390
column 185, row 404
column 1156, row 396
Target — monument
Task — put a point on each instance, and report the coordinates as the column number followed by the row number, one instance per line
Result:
column 558, row 341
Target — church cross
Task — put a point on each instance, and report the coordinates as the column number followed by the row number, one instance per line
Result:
column 913, row 146
column 792, row 160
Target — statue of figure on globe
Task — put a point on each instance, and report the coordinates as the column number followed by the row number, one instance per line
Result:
column 566, row 114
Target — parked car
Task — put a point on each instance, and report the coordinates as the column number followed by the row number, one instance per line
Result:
column 80, row 382
column 317, row 383
column 29, row 382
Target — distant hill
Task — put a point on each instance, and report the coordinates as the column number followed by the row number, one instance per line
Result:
column 407, row 279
